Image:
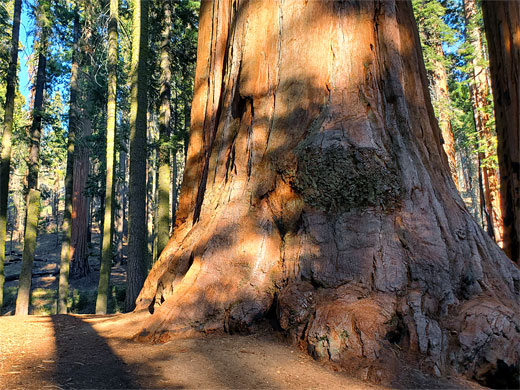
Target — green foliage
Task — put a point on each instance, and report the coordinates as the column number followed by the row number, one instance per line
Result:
column 434, row 31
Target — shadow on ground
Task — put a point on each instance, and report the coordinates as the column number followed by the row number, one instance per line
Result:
column 85, row 360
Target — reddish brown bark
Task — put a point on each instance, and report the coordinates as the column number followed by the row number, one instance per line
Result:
column 479, row 97
column 317, row 193
column 502, row 21
column 440, row 90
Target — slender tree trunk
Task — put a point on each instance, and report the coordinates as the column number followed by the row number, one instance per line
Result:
column 137, row 245
column 79, row 265
column 66, row 249
column 479, row 97
column 317, row 193
column 151, row 190
column 122, row 203
column 5, row 162
column 108, row 226
column 56, row 208
column 502, row 20
column 163, row 207
column 173, row 189
column 33, row 196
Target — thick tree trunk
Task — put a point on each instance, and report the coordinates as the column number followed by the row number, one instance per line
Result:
column 317, row 193
column 479, row 98
column 5, row 157
column 66, row 249
column 502, row 19
column 137, row 247
column 108, row 226
column 33, row 196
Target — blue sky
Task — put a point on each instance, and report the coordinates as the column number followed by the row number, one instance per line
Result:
column 26, row 40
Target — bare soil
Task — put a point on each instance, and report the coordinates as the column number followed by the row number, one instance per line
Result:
column 98, row 352
column 84, row 351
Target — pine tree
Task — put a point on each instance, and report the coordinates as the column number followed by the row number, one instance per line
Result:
column 66, row 250
column 35, row 133
column 433, row 31
column 5, row 162
column 163, row 209
column 108, row 226
column 137, row 244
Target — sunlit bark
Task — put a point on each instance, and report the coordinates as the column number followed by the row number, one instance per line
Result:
column 502, row 21
column 317, row 194
column 108, row 225
column 479, row 98
column 163, row 212
column 5, row 157
column 63, row 288
column 33, row 195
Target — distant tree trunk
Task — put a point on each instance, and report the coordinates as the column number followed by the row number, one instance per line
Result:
column 317, row 194
column 56, row 208
column 5, row 157
column 108, row 226
column 79, row 265
column 163, row 207
column 33, row 196
column 502, row 20
column 151, row 190
column 137, row 245
column 122, row 194
column 479, row 98
column 439, row 82
column 66, row 249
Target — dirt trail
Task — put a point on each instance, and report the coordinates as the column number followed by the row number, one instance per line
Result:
column 95, row 352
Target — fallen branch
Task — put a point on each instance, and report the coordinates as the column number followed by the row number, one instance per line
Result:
column 10, row 278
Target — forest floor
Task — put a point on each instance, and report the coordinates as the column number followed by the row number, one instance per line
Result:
column 97, row 352
column 82, row 292
column 46, row 351
column 86, row 351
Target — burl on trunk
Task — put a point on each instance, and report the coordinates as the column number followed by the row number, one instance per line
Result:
column 317, row 191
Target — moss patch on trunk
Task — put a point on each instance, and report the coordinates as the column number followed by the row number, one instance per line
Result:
column 338, row 179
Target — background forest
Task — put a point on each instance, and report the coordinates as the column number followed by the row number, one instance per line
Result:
column 88, row 88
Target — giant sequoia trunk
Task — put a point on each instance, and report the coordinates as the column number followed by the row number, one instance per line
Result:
column 479, row 99
column 502, row 20
column 317, row 192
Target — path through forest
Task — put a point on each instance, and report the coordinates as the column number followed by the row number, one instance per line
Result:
column 87, row 351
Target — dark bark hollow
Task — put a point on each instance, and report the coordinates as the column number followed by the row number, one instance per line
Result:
column 317, row 191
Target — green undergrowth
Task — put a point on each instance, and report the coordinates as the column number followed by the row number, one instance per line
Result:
column 43, row 301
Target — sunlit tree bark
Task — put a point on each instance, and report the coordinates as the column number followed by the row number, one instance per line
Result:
column 317, row 193
column 33, row 195
column 63, row 288
column 440, row 91
column 502, row 22
column 5, row 157
column 479, row 98
column 108, row 225
column 163, row 212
